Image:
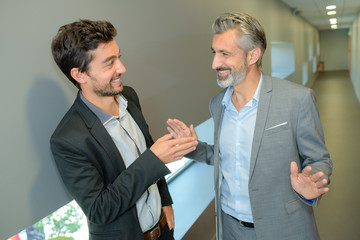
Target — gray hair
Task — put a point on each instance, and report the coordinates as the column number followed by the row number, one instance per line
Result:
column 251, row 33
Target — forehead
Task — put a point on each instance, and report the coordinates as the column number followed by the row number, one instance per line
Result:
column 105, row 51
column 226, row 40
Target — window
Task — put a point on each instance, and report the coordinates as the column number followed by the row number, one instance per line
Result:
column 68, row 222
column 282, row 59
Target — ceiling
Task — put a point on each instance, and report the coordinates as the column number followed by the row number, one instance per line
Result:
column 314, row 11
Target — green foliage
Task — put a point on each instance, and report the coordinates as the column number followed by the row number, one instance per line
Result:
column 62, row 222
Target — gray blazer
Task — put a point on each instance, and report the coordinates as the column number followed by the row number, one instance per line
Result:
column 287, row 129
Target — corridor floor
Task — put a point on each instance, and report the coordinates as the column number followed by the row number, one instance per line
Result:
column 338, row 214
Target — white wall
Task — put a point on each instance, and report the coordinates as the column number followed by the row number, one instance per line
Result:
column 334, row 49
column 355, row 55
column 166, row 49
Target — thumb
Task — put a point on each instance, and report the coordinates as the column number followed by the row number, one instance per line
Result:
column 192, row 131
column 166, row 137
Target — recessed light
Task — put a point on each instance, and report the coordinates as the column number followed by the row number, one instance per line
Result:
column 334, row 26
column 330, row 7
column 333, row 20
column 331, row 13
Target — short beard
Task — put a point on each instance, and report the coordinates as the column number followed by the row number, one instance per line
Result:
column 234, row 78
column 106, row 93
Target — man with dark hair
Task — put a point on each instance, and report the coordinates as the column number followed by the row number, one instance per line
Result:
column 102, row 147
column 264, row 128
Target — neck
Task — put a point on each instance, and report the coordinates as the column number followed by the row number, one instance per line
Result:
column 245, row 90
column 108, row 104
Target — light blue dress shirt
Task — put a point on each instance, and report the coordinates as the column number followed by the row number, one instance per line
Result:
column 236, row 138
column 130, row 142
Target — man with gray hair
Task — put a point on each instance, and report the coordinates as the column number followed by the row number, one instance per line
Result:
column 264, row 129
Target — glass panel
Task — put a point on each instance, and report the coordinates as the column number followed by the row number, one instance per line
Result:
column 67, row 223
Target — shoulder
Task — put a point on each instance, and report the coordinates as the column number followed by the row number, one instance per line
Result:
column 218, row 98
column 130, row 95
column 287, row 89
column 76, row 122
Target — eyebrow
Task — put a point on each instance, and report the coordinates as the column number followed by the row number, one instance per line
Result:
column 221, row 51
column 111, row 58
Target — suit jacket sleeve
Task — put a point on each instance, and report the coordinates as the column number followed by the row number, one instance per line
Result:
column 310, row 137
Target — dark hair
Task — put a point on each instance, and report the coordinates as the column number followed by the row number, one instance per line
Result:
column 70, row 47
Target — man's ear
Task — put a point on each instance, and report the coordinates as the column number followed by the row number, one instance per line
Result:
column 78, row 75
column 253, row 56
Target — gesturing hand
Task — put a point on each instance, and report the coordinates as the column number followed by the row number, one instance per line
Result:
column 169, row 150
column 179, row 129
column 307, row 185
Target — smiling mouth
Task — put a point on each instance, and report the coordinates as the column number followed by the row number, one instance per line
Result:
column 222, row 72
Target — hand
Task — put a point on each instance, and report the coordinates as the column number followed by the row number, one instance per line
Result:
column 179, row 129
column 169, row 150
column 307, row 185
column 169, row 213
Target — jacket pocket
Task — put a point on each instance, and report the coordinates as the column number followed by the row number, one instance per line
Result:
column 293, row 205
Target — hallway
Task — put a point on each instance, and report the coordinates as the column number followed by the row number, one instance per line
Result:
column 338, row 214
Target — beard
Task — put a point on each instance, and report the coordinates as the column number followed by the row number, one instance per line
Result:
column 106, row 90
column 234, row 78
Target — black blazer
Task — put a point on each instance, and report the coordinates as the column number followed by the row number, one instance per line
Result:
column 95, row 175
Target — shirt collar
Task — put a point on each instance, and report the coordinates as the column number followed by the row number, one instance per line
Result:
column 103, row 116
column 229, row 91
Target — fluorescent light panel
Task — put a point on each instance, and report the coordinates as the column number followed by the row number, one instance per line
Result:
column 333, row 20
column 331, row 13
column 330, row 7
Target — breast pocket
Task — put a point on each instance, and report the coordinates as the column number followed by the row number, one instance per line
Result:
column 276, row 128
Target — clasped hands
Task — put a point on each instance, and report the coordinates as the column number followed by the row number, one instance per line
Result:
column 308, row 185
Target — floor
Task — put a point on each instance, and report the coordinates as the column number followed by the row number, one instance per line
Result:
column 338, row 214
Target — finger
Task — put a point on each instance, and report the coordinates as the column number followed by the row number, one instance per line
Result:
column 317, row 176
column 175, row 125
column 307, row 171
column 182, row 141
column 321, row 183
column 171, row 131
column 180, row 125
column 294, row 170
column 323, row 190
column 189, row 146
column 180, row 154
column 193, row 132
column 181, row 150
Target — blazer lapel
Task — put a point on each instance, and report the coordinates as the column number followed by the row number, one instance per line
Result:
column 140, row 121
column 262, row 113
column 99, row 132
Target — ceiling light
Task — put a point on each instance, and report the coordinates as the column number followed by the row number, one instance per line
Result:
column 331, row 13
column 333, row 20
column 334, row 26
column 330, row 7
